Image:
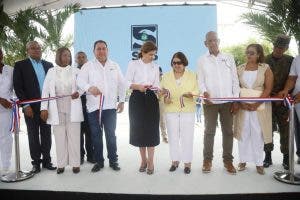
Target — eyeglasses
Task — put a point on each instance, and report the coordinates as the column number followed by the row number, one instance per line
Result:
column 250, row 53
column 177, row 63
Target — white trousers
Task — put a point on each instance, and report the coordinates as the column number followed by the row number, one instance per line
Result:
column 67, row 140
column 251, row 145
column 180, row 128
column 6, row 140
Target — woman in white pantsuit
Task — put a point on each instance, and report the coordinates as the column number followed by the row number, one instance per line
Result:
column 64, row 114
column 253, row 121
column 180, row 120
column 6, row 92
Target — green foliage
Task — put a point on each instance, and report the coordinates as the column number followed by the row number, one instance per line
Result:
column 53, row 22
column 238, row 51
column 32, row 24
column 280, row 16
column 19, row 30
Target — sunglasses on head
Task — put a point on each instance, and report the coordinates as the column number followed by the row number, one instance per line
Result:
column 177, row 63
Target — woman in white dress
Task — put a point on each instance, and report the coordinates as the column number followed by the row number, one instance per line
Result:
column 253, row 121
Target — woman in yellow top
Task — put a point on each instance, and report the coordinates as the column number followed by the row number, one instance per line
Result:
column 180, row 120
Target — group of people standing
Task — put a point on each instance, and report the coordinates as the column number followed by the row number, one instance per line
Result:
column 91, row 95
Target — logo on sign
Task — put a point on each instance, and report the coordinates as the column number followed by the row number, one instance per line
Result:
column 140, row 34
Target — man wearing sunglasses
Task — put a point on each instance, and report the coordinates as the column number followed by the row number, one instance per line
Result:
column 280, row 65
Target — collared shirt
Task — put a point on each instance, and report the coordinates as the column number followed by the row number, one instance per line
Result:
column 217, row 75
column 141, row 73
column 6, row 85
column 295, row 71
column 39, row 71
column 108, row 79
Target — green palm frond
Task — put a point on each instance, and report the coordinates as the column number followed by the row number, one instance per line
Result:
column 280, row 17
column 53, row 22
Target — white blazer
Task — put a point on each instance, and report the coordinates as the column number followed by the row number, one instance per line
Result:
column 51, row 106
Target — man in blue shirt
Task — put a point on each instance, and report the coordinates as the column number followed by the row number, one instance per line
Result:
column 28, row 79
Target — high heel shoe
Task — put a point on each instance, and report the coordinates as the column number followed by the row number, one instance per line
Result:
column 173, row 168
column 187, row 170
column 143, row 168
column 150, row 171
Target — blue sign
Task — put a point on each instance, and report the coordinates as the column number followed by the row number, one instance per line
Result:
column 173, row 28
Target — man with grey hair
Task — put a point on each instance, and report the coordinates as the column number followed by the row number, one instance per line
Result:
column 28, row 78
column 217, row 78
column 280, row 65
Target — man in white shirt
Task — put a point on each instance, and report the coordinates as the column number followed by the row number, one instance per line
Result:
column 217, row 78
column 293, row 83
column 103, row 76
column 6, row 92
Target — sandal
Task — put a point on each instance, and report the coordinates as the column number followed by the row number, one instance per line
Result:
column 143, row 168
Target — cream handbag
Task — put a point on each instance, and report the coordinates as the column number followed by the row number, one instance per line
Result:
column 246, row 92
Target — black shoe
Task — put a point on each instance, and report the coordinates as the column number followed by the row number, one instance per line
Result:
column 285, row 161
column 49, row 166
column 60, row 170
column 81, row 161
column 97, row 167
column 76, row 170
column 91, row 160
column 187, row 170
column 115, row 166
column 268, row 160
column 35, row 169
column 173, row 168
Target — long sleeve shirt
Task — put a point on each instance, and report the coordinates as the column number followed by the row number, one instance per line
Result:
column 108, row 79
column 141, row 73
column 217, row 75
column 6, row 85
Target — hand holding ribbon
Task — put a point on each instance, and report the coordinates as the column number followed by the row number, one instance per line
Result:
column 44, row 115
column 94, row 91
column 5, row 103
column 75, row 95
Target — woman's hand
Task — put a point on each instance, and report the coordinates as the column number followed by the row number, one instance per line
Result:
column 44, row 115
column 245, row 106
column 254, row 106
column 167, row 100
column 75, row 95
column 141, row 88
